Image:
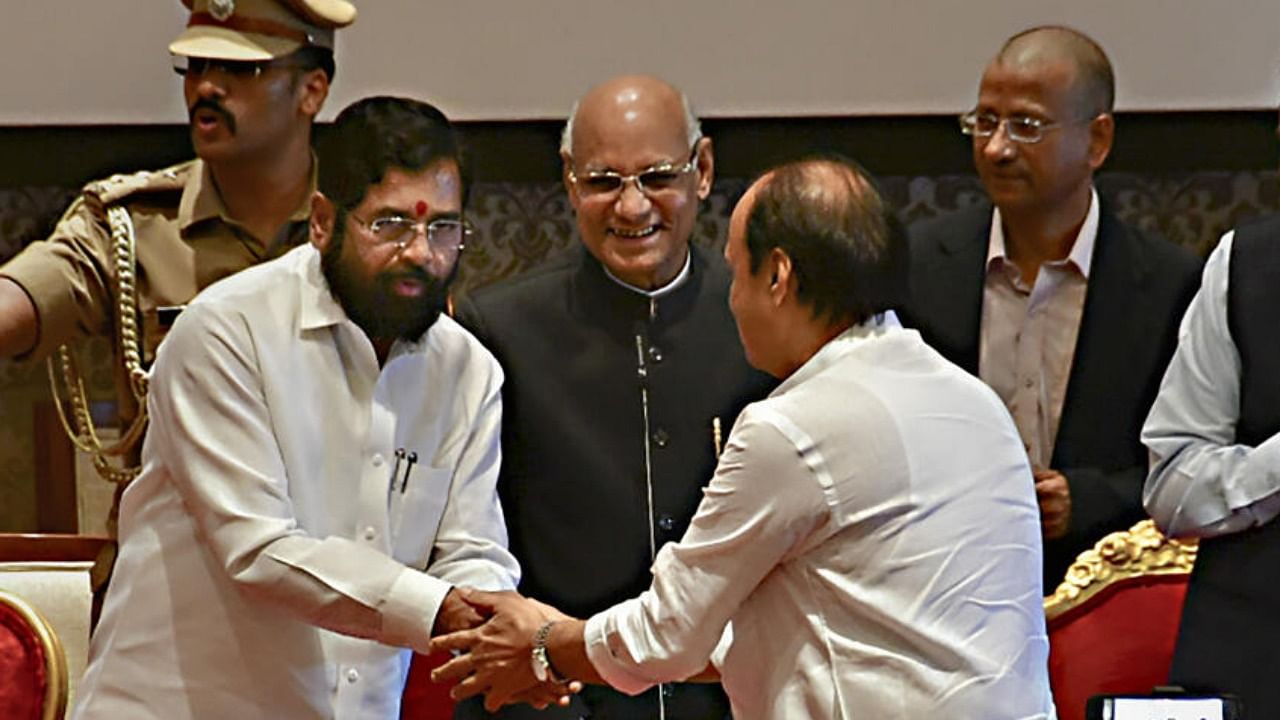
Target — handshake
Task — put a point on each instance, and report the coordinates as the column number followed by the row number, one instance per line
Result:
column 500, row 643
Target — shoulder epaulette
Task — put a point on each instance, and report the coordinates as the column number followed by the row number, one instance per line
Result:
column 118, row 187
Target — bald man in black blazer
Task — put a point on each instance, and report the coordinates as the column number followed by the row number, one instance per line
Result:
column 1139, row 285
column 1081, row 310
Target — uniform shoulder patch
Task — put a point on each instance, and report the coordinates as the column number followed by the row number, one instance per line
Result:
column 118, row 187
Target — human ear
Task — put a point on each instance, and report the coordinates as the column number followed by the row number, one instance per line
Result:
column 1102, row 132
column 781, row 275
column 706, row 163
column 570, row 188
column 323, row 219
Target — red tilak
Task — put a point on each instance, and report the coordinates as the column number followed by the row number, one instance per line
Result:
column 421, row 208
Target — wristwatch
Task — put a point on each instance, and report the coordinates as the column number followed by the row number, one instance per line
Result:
column 542, row 669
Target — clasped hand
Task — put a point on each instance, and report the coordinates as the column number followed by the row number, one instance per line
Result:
column 494, row 658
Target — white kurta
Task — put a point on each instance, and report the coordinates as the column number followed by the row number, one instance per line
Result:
column 872, row 534
column 272, row 526
column 1202, row 482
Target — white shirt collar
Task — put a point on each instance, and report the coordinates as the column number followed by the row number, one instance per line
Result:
column 1081, row 254
column 835, row 348
column 670, row 287
column 319, row 308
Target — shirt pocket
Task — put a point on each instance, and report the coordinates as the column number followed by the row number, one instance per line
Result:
column 415, row 515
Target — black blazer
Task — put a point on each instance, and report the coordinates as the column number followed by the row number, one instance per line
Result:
column 1139, row 286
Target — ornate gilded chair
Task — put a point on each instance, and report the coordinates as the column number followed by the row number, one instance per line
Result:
column 1113, row 621
column 33, row 669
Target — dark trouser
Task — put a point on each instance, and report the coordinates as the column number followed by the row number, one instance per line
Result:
column 1226, row 646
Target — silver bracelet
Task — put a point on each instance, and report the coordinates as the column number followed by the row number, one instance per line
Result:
column 542, row 669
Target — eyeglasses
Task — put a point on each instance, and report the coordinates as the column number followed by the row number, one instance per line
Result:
column 652, row 181
column 445, row 236
column 239, row 69
column 1020, row 128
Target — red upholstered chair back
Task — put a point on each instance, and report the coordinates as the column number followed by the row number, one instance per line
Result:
column 423, row 699
column 1114, row 619
column 33, row 669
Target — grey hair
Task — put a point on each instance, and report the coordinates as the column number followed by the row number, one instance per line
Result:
column 692, row 127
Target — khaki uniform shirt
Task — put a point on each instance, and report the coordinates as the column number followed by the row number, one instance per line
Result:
column 185, row 241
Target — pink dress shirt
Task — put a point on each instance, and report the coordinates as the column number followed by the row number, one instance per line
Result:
column 1028, row 335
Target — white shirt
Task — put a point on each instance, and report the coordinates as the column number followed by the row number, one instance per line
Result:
column 1028, row 334
column 872, row 533
column 1202, row 483
column 268, row 532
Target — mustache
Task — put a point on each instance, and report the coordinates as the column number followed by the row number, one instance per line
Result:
column 214, row 107
column 411, row 273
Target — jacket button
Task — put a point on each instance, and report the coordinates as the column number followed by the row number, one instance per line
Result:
column 667, row 523
column 660, row 437
column 655, row 354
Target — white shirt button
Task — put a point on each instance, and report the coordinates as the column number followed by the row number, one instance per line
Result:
column 353, row 675
column 377, row 460
column 370, row 533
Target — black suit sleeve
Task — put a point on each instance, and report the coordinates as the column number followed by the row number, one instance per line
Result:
column 1107, row 496
column 1102, row 501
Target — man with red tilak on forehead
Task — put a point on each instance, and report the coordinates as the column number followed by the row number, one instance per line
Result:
column 321, row 466
column 132, row 250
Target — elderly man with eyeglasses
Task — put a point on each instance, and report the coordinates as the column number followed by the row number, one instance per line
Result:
column 622, row 369
column 1067, row 313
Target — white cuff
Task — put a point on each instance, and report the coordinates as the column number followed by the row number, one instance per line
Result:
column 409, row 609
column 1261, row 476
column 614, row 668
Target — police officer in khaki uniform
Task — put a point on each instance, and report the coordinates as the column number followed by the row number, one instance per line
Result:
column 132, row 249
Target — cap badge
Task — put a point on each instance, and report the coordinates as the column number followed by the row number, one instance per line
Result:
column 222, row 9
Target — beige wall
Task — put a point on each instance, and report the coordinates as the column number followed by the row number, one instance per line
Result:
column 105, row 61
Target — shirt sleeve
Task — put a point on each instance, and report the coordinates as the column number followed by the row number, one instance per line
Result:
column 66, row 277
column 763, row 503
column 471, row 542
column 211, row 431
column 1201, row 483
